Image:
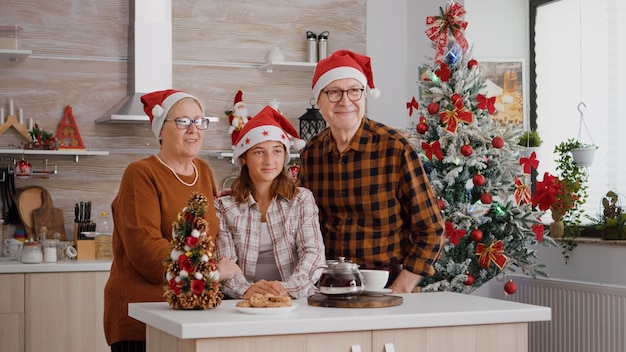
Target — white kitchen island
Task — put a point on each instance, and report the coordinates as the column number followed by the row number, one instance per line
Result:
column 439, row 321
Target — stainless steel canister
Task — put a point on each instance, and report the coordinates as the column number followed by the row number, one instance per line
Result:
column 322, row 45
column 311, row 46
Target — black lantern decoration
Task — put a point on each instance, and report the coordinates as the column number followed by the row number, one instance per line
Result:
column 311, row 123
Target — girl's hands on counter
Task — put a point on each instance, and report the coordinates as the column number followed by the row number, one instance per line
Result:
column 272, row 287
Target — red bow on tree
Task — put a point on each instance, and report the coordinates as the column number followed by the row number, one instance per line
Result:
column 454, row 235
column 538, row 229
column 485, row 103
column 452, row 117
column 450, row 20
column 530, row 162
column 492, row 253
column 443, row 73
column 433, row 148
column 412, row 105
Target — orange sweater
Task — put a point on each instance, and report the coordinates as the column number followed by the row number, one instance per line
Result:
column 147, row 203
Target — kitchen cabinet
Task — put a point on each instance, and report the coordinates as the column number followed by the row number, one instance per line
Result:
column 63, row 311
column 12, row 312
column 52, row 306
column 424, row 322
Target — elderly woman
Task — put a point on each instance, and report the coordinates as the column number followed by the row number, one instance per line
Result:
column 152, row 192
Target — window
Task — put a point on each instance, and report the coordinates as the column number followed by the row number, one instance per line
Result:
column 580, row 56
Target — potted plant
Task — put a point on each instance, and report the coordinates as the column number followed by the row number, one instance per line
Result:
column 612, row 222
column 574, row 175
column 530, row 140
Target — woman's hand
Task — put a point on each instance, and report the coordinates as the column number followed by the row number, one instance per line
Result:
column 227, row 269
column 264, row 287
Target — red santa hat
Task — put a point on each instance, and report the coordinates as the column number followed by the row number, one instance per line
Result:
column 238, row 99
column 267, row 125
column 158, row 104
column 344, row 64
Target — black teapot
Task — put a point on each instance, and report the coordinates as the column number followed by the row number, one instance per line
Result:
column 341, row 279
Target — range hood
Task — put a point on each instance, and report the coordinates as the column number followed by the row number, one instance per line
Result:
column 149, row 58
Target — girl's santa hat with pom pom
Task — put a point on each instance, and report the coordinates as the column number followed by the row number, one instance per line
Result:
column 344, row 64
column 158, row 104
column 267, row 125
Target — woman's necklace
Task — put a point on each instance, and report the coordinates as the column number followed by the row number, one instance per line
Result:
column 195, row 170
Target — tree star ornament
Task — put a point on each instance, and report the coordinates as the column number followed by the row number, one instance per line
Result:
column 448, row 21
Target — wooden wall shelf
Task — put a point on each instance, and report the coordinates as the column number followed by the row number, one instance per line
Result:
column 14, row 55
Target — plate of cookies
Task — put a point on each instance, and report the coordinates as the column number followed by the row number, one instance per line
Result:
column 265, row 304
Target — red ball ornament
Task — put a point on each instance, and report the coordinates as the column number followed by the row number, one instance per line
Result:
column 466, row 150
column 472, row 63
column 440, row 203
column 421, row 128
column 510, row 287
column 433, row 108
column 479, row 180
column 486, row 198
column 469, row 281
column 497, row 142
column 455, row 97
column 476, row 235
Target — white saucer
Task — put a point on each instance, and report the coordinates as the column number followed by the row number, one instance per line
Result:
column 382, row 292
column 266, row 311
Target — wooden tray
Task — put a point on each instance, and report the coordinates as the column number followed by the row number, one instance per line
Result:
column 320, row 300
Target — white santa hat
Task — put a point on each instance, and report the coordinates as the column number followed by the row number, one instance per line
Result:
column 158, row 104
column 267, row 125
column 344, row 64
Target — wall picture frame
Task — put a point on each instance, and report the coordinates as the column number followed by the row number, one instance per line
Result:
column 506, row 80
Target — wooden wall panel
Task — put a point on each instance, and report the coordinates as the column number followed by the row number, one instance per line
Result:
column 80, row 59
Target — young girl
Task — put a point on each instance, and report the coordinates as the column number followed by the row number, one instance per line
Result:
column 267, row 225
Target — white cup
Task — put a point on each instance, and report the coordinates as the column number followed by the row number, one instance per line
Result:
column 375, row 280
column 14, row 249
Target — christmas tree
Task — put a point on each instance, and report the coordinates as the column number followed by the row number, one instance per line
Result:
column 474, row 166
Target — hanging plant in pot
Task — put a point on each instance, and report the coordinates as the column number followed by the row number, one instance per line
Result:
column 531, row 141
column 582, row 153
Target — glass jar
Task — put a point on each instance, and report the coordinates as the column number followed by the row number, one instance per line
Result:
column 50, row 251
column 104, row 248
column 32, row 253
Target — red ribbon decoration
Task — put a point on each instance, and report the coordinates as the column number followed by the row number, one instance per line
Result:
column 522, row 192
column 433, row 148
column 538, row 229
column 443, row 73
column 453, row 235
column 452, row 117
column 485, row 103
column 492, row 253
column 450, row 20
column 530, row 162
column 412, row 105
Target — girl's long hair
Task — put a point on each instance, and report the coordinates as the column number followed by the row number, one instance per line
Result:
column 243, row 187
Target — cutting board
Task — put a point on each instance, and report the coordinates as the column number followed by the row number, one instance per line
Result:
column 320, row 300
column 49, row 216
column 28, row 199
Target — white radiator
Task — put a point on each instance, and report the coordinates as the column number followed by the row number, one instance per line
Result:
column 585, row 317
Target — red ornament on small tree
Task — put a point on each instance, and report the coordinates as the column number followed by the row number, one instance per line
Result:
column 472, row 63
